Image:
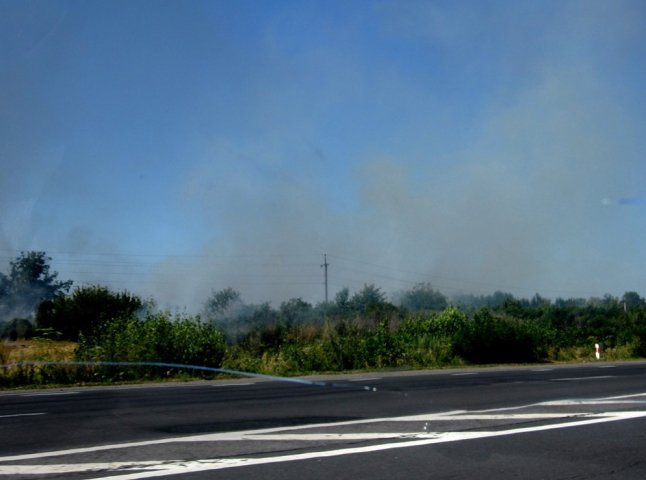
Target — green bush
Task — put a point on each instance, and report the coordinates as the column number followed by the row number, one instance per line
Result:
column 489, row 339
column 85, row 309
column 155, row 338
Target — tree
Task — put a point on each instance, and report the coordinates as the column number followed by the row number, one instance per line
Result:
column 342, row 301
column 29, row 283
column 295, row 310
column 366, row 298
column 220, row 305
column 423, row 297
column 85, row 310
column 632, row 301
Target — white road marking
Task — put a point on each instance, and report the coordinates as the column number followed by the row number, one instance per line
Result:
column 158, row 468
column 543, row 370
column 563, row 403
column 591, row 401
column 463, row 374
column 73, row 467
column 242, row 435
column 22, row 415
column 618, row 397
column 578, row 379
column 177, row 467
column 607, row 366
column 364, row 379
column 241, row 384
column 223, row 436
column 48, row 394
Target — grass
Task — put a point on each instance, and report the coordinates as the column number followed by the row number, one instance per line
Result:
column 37, row 350
column 43, row 350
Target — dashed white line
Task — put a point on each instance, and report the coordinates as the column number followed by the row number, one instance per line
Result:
column 23, row 415
column 241, row 384
column 48, row 394
column 578, row 379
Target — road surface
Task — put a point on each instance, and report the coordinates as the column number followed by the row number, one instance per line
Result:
column 539, row 422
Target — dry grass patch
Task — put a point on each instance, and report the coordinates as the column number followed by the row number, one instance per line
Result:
column 36, row 351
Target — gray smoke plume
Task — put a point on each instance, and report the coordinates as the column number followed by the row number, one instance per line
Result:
column 466, row 145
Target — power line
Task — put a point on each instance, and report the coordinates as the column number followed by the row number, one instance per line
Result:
column 242, row 269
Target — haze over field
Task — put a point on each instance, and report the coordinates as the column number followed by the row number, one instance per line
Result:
column 173, row 148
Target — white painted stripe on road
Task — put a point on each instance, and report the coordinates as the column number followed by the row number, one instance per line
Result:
column 363, row 379
column 563, row 403
column 607, row 366
column 316, row 437
column 178, row 467
column 463, row 374
column 512, row 416
column 591, row 401
column 578, row 379
column 22, row 415
column 223, row 436
column 632, row 395
column 241, row 384
column 453, row 415
column 50, row 469
column 48, row 394
column 543, row 370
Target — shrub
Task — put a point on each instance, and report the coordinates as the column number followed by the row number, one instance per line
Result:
column 489, row 339
column 85, row 309
column 156, row 338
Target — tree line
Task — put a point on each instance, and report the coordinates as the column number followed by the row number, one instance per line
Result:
column 417, row 328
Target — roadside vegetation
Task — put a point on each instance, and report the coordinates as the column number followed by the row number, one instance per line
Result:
column 419, row 328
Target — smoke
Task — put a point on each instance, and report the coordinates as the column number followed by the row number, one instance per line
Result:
column 465, row 145
column 513, row 208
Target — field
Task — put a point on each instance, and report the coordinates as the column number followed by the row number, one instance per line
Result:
column 36, row 351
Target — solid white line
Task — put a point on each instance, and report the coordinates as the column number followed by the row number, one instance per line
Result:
column 619, row 399
column 463, row 374
column 224, row 436
column 564, row 403
column 512, row 416
column 607, row 366
column 178, row 467
column 543, row 370
column 449, row 415
column 366, row 379
column 49, row 469
column 316, row 437
column 591, row 401
column 633, row 395
column 22, row 415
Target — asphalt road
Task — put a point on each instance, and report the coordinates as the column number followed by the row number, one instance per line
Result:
column 548, row 422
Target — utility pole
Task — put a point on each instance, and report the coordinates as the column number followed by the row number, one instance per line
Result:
column 325, row 265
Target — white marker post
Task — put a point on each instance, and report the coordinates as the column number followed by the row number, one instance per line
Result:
column 596, row 351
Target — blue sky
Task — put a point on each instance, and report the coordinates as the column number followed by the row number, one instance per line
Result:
column 172, row 148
